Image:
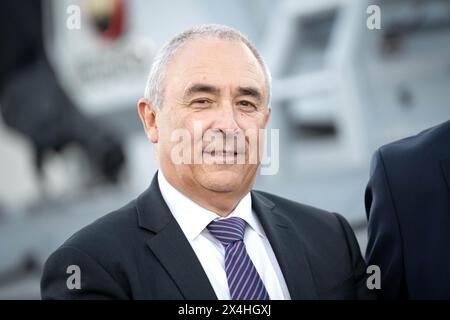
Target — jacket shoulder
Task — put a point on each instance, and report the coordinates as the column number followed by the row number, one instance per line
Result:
column 331, row 246
column 411, row 164
column 113, row 230
column 432, row 141
column 306, row 215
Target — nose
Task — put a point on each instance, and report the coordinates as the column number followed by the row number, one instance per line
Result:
column 226, row 120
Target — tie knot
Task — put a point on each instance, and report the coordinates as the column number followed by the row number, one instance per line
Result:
column 228, row 230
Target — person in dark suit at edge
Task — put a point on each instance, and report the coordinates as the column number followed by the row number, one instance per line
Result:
column 200, row 231
column 408, row 208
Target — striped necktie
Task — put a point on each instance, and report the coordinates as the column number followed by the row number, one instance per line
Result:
column 244, row 281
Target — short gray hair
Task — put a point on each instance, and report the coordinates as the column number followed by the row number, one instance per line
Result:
column 154, row 91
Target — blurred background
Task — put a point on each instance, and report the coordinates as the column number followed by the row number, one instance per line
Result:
column 72, row 146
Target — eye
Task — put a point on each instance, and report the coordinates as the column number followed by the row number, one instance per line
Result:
column 201, row 102
column 247, row 105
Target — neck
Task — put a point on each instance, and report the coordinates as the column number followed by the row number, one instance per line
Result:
column 221, row 203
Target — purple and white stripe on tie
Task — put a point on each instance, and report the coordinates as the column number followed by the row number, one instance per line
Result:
column 244, row 281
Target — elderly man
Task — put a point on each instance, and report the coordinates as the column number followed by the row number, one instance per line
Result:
column 199, row 231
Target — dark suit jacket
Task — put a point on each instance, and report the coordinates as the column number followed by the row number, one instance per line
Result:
column 408, row 207
column 140, row 252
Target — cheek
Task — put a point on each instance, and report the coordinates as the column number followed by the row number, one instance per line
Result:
column 197, row 123
column 169, row 126
column 250, row 121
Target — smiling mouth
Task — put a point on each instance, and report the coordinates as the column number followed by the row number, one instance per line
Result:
column 223, row 156
column 222, row 153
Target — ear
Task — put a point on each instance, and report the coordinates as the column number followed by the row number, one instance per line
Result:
column 267, row 115
column 147, row 113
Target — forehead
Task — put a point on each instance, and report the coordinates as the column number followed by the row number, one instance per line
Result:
column 215, row 61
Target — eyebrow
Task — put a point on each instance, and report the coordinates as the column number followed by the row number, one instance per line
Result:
column 250, row 91
column 200, row 88
column 206, row 88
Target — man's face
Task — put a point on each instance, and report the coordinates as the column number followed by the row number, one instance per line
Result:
column 215, row 91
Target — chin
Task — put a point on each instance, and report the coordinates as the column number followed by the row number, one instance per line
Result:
column 221, row 178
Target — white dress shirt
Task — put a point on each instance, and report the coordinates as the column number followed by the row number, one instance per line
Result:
column 193, row 220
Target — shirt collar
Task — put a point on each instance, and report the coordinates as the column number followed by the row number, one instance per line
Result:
column 193, row 218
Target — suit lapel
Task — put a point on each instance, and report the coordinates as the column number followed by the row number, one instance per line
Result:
column 171, row 247
column 291, row 256
column 175, row 254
